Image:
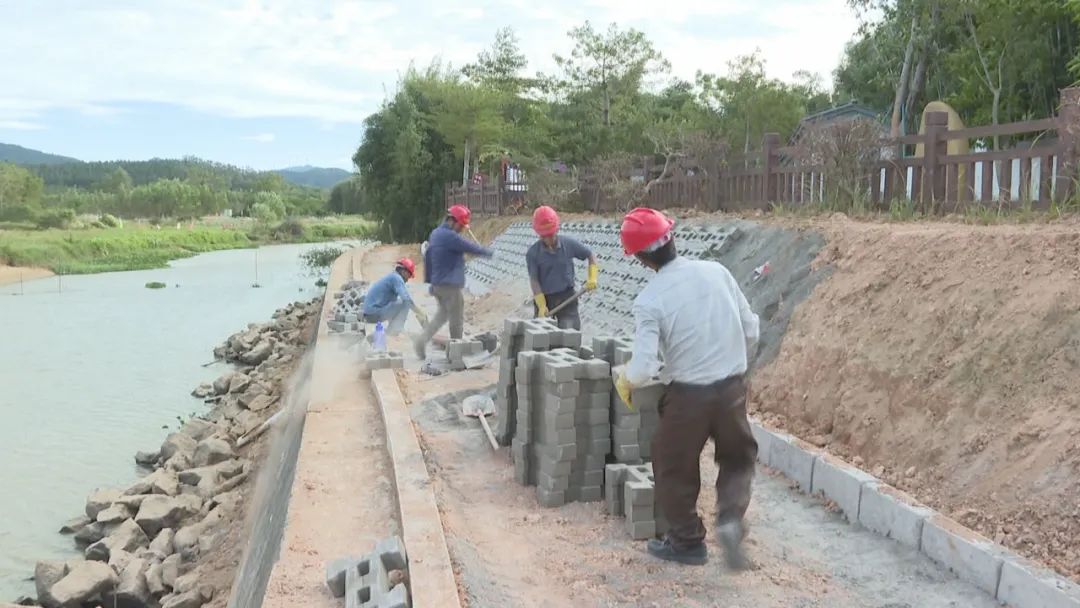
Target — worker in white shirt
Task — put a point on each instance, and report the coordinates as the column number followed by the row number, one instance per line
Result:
column 692, row 315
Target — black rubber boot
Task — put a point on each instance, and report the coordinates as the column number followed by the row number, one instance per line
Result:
column 693, row 556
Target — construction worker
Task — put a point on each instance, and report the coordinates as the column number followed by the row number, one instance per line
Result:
column 551, row 269
column 694, row 316
column 444, row 270
column 388, row 300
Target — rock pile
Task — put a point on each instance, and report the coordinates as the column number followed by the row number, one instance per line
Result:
column 143, row 545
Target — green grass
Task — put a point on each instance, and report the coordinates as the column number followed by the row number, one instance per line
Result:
column 139, row 246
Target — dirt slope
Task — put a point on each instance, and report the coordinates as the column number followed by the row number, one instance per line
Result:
column 946, row 358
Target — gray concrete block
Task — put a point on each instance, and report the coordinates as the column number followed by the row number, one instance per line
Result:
column 596, row 401
column 623, row 436
column 1024, row 584
column 591, row 433
column 641, row 530
column 586, row 494
column 972, row 557
column 647, row 397
column 598, row 369
column 795, row 459
column 556, row 421
column 558, row 371
column 640, row 493
column 591, row 416
column 553, row 468
column 549, row 499
column 841, row 483
column 560, row 405
column 600, row 446
column 614, row 478
column 551, row 436
column 627, row 453
column 536, row 339
column 892, row 513
column 566, row 451
column 335, row 574
column 563, row 390
column 764, row 441
column 552, row 483
column 588, row 478
column 570, row 338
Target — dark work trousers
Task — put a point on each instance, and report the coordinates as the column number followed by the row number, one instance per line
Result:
column 567, row 318
column 689, row 416
column 451, row 302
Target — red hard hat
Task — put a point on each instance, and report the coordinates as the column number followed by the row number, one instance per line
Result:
column 545, row 221
column 644, row 228
column 460, row 213
column 408, row 265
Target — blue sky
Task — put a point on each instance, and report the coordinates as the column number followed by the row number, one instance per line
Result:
column 274, row 83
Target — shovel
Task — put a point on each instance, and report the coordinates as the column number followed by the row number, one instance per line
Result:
column 481, row 406
column 580, row 292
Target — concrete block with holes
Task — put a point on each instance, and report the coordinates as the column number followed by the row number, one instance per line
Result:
column 365, row 582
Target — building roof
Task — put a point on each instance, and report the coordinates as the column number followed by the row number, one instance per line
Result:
column 846, row 111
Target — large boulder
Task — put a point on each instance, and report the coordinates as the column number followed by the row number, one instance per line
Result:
column 133, row 502
column 216, row 473
column 90, row 534
column 160, row 512
column 258, row 353
column 170, row 570
column 132, row 591
column 198, row 429
column 261, row 402
column 253, row 392
column 147, row 459
column 212, row 451
column 179, row 462
column 244, row 423
column 154, row 580
column 46, row 575
column 203, row 391
column 239, row 383
column 189, row 599
column 128, row 536
column 99, row 500
column 221, row 385
column 114, row 514
column 86, row 582
column 75, row 524
column 187, row 538
column 178, row 443
column 119, row 559
column 162, row 545
column 161, row 481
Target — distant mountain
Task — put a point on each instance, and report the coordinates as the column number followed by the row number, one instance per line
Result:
column 10, row 153
column 315, row 177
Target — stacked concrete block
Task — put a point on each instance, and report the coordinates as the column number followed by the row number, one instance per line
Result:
column 523, row 335
column 457, row 350
column 349, row 307
column 630, row 493
column 384, row 360
column 632, row 430
column 562, row 435
column 366, row 582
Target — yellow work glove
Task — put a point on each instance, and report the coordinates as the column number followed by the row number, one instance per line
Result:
column 541, row 305
column 594, row 273
column 623, row 388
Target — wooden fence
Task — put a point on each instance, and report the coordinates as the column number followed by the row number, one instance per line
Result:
column 1036, row 173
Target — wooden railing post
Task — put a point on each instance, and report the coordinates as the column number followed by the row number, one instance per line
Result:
column 770, row 162
column 933, row 179
column 1069, row 143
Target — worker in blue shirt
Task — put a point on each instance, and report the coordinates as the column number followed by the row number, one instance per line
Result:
column 444, row 270
column 388, row 300
column 551, row 269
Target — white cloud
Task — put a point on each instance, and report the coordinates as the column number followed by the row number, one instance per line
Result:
column 20, row 125
column 333, row 60
column 262, row 138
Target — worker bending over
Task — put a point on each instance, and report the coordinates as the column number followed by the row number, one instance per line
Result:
column 388, row 299
column 444, row 270
column 551, row 269
column 693, row 314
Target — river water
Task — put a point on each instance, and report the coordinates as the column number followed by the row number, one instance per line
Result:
column 94, row 367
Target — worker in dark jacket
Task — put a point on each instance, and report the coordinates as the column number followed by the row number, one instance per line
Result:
column 551, row 269
column 444, row 270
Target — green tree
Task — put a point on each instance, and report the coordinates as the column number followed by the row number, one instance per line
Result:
column 502, row 66
column 18, row 188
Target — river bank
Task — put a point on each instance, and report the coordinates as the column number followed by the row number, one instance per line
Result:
column 14, row 274
column 171, row 538
column 141, row 246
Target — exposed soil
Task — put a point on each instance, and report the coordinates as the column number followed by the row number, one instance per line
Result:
column 14, row 274
column 944, row 358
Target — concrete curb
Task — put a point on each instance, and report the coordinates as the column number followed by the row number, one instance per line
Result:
column 882, row 508
column 431, row 574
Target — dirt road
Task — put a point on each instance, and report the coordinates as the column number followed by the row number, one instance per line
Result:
column 509, row 552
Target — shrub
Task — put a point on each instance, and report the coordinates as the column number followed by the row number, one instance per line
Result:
column 291, row 228
column 111, row 221
column 155, row 285
column 55, row 218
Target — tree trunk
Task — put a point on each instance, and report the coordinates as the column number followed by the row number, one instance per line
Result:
column 465, row 166
column 902, row 83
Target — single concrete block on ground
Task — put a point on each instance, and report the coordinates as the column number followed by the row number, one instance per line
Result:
column 1024, row 584
column 764, row 439
column 892, row 513
column 614, row 478
column 841, row 483
column 795, row 459
column 972, row 557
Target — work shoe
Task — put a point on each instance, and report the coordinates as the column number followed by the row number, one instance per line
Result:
column 731, row 535
column 692, row 556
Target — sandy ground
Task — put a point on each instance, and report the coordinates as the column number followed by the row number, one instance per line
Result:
column 943, row 358
column 509, row 552
column 14, row 274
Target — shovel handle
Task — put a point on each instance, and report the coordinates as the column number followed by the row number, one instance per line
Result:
column 490, row 435
column 580, row 292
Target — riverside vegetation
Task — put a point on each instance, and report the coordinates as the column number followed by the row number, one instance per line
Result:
column 169, row 539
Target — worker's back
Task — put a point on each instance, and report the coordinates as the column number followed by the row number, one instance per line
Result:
column 704, row 321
